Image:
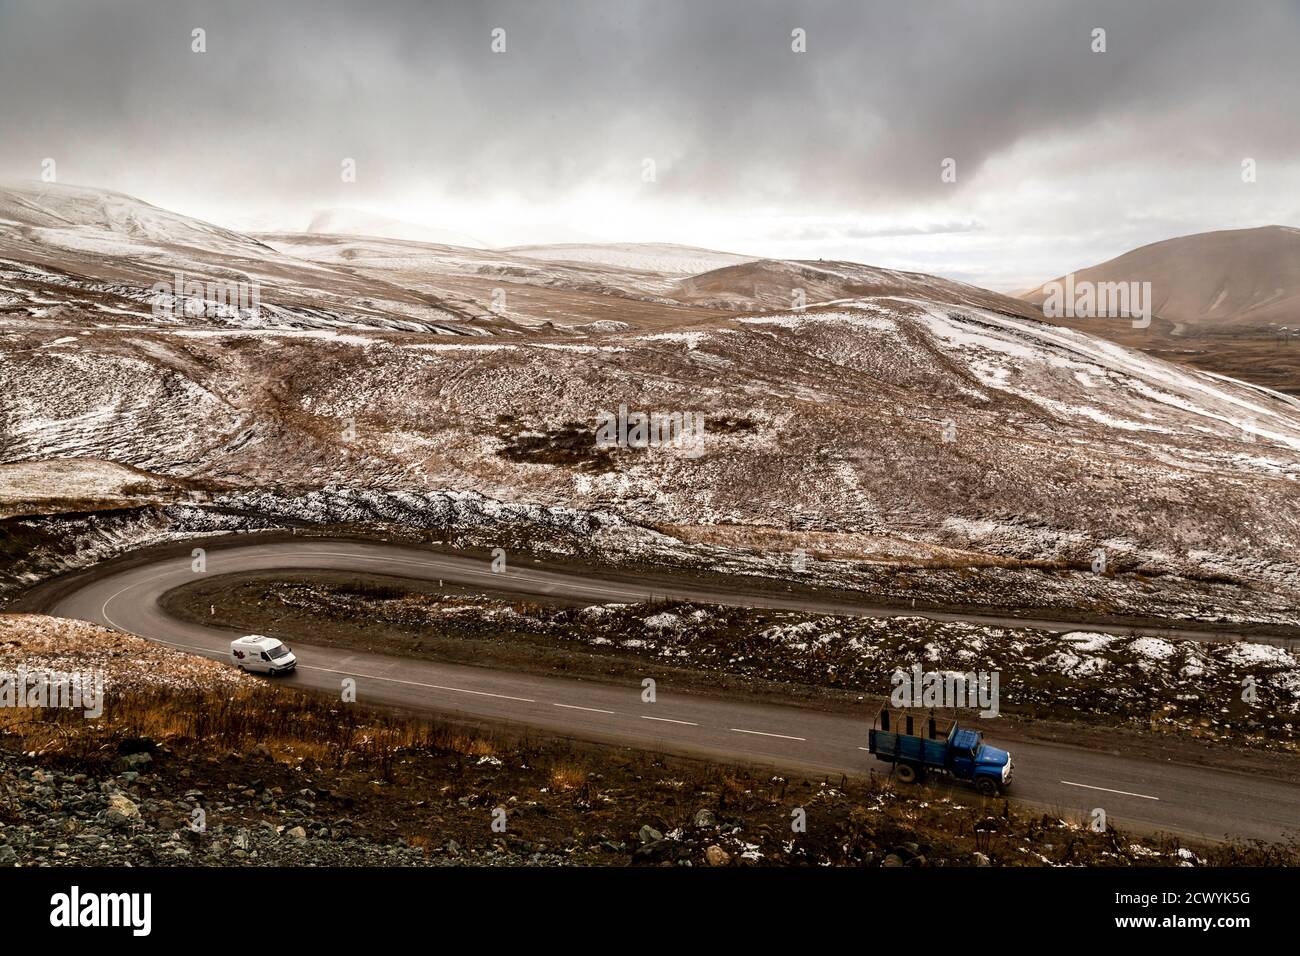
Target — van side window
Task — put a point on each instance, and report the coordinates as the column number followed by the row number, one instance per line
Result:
column 264, row 657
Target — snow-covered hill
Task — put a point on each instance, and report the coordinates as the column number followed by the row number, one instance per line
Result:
column 773, row 284
column 82, row 219
column 898, row 416
column 356, row 222
column 893, row 425
column 659, row 257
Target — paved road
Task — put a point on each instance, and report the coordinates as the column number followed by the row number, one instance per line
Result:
column 1169, row 796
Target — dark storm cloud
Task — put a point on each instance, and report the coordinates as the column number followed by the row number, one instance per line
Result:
column 586, row 90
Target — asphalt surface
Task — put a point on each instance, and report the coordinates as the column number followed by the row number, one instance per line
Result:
column 1169, row 796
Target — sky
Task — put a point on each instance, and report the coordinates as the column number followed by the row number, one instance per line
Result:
column 680, row 120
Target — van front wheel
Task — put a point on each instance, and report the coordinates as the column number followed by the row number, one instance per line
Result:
column 906, row 772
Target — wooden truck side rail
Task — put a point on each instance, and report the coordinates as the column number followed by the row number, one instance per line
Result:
column 913, row 736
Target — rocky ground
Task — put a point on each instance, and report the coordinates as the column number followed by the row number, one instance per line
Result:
column 130, row 815
column 119, row 818
column 227, row 770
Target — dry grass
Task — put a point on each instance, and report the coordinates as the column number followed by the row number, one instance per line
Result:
column 567, row 776
column 290, row 726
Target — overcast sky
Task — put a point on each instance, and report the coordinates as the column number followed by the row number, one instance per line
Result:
column 1064, row 157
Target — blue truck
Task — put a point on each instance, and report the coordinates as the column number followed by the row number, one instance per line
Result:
column 921, row 743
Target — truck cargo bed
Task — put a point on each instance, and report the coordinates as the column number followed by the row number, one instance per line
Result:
column 892, row 746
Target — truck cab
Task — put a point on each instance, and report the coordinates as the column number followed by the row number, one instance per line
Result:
column 972, row 759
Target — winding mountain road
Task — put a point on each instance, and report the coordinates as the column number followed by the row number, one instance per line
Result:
column 1180, row 798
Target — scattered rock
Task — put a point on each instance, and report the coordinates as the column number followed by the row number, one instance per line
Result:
column 121, row 811
column 717, row 856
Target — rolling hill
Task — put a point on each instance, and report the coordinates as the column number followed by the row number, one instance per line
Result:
column 899, row 414
column 1231, row 279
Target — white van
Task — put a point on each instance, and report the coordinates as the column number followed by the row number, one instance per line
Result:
column 263, row 655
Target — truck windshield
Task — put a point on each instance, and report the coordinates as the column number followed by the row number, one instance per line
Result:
column 277, row 652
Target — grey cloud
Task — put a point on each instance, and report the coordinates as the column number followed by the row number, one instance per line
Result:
column 588, row 89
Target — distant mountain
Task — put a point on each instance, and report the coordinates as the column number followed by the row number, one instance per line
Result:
column 98, row 256
column 772, row 284
column 662, row 257
column 355, row 222
column 1236, row 277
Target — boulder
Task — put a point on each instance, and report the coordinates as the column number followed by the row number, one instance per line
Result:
column 121, row 811
column 717, row 856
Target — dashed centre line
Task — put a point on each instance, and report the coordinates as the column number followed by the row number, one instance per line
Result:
column 669, row 720
column 1143, row 796
column 594, row 710
column 416, row 683
column 761, row 733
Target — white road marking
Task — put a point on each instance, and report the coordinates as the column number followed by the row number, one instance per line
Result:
column 594, row 710
column 103, row 608
column 737, row 730
column 1070, row 783
column 669, row 720
column 416, row 683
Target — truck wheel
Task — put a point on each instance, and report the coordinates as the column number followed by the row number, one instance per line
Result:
column 906, row 772
column 987, row 786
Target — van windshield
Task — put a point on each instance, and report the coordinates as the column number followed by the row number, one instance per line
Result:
column 275, row 653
